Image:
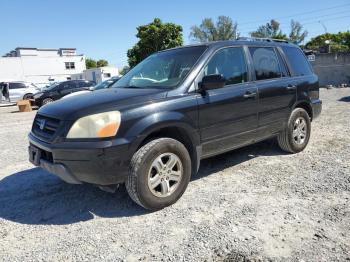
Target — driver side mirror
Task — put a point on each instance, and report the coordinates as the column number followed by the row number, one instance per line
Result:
column 210, row 82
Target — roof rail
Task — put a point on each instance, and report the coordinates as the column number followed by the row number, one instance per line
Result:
column 262, row 39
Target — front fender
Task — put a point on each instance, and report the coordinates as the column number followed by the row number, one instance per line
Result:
column 156, row 121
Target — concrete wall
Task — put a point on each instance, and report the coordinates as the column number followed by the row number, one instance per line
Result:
column 39, row 69
column 332, row 69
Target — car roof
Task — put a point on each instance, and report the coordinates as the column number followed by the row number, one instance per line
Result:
column 241, row 41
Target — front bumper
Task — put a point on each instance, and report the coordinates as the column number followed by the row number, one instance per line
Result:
column 316, row 108
column 97, row 162
column 38, row 101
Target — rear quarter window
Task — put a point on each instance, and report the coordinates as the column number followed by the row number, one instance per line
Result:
column 299, row 65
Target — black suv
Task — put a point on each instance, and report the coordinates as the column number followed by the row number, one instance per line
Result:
column 176, row 107
column 59, row 90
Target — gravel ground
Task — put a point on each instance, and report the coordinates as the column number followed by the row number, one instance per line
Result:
column 255, row 203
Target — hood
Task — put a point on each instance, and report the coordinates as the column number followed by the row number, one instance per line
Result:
column 99, row 101
column 76, row 93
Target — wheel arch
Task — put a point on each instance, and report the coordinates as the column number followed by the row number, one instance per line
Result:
column 306, row 106
column 27, row 94
column 168, row 124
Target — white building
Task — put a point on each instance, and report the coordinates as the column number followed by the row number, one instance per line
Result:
column 97, row 74
column 41, row 66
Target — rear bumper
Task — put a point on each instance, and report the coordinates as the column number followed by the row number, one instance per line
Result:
column 316, row 108
column 98, row 162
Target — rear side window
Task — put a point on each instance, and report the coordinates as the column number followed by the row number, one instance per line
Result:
column 230, row 63
column 86, row 84
column 297, row 61
column 266, row 63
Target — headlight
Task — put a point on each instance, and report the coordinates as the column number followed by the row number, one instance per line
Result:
column 96, row 126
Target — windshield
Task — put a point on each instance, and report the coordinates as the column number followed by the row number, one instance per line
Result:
column 51, row 86
column 104, row 84
column 162, row 70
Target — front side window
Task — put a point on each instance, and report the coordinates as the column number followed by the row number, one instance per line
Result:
column 69, row 85
column 297, row 61
column 230, row 63
column 85, row 84
column 17, row 85
column 162, row 70
column 266, row 63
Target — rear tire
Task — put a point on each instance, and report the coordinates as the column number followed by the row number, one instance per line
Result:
column 159, row 174
column 296, row 135
column 28, row 96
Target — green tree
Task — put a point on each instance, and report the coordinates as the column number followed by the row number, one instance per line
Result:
column 339, row 42
column 297, row 35
column 101, row 63
column 270, row 30
column 154, row 37
column 124, row 70
column 223, row 29
column 90, row 63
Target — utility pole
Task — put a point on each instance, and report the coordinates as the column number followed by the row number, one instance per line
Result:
column 324, row 27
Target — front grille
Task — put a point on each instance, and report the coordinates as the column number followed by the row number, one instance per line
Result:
column 45, row 127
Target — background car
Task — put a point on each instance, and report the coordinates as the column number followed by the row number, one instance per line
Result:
column 105, row 84
column 59, row 90
column 21, row 90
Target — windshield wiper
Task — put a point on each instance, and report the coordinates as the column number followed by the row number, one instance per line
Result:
column 127, row 87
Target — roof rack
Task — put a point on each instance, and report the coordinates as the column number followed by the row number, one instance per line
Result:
column 262, row 39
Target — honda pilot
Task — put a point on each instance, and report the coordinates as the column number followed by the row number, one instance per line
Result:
column 178, row 106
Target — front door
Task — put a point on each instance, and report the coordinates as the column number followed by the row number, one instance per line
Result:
column 227, row 115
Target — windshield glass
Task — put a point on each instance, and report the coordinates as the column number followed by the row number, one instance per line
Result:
column 162, row 70
column 51, row 86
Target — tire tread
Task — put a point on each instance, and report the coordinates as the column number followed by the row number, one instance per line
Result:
column 136, row 161
column 283, row 137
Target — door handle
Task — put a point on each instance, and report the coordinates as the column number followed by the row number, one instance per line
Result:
column 249, row 95
column 291, row 87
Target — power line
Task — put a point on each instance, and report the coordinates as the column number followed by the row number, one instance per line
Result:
column 298, row 14
column 302, row 21
column 303, row 24
column 330, row 19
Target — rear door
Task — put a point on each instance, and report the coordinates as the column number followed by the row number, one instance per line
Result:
column 227, row 115
column 277, row 91
column 17, row 91
column 303, row 76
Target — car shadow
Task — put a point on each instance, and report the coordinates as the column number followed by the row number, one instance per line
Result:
column 217, row 163
column 36, row 197
column 345, row 99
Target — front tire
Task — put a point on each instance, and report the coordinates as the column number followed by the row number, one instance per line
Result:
column 47, row 101
column 296, row 135
column 159, row 174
